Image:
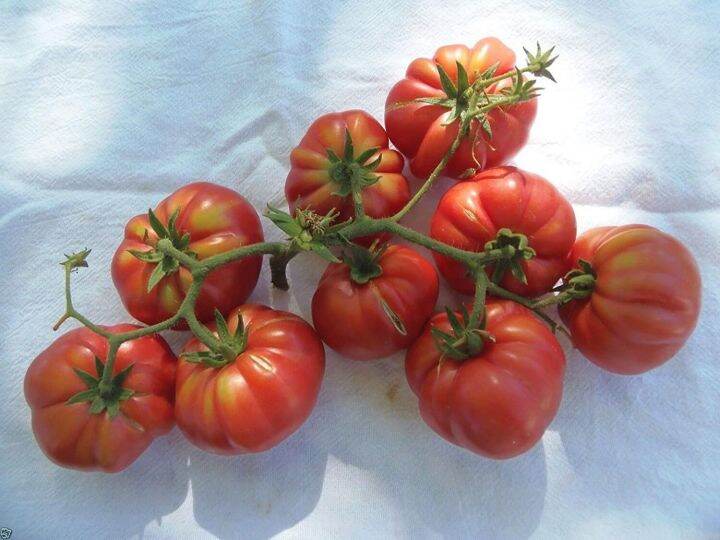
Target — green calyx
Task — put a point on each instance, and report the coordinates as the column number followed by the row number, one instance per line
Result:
column 102, row 395
column 513, row 248
column 539, row 62
column 463, row 341
column 364, row 262
column 471, row 101
column 468, row 102
column 165, row 265
column 231, row 344
column 352, row 174
column 464, row 100
column 307, row 230
column 76, row 260
column 577, row 284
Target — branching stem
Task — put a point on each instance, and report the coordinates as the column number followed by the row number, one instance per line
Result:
column 478, row 308
column 529, row 303
column 362, row 225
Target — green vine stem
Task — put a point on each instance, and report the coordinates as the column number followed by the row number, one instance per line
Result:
column 251, row 250
column 433, row 176
column 548, row 301
column 529, row 303
column 74, row 261
column 358, row 204
column 278, row 266
column 106, row 379
column 481, row 286
column 186, row 311
column 463, row 129
column 373, row 226
column 326, row 233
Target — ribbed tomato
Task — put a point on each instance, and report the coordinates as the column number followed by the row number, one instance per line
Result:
column 215, row 219
column 471, row 213
column 323, row 168
column 379, row 316
column 420, row 131
column 80, row 427
column 261, row 396
column 498, row 402
column 645, row 302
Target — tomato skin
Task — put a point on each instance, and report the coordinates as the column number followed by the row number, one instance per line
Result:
column 417, row 129
column 499, row 402
column 471, row 213
column 70, row 435
column 349, row 317
column 255, row 402
column 309, row 185
column 646, row 300
column 218, row 220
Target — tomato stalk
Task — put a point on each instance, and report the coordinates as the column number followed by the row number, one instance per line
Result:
column 186, row 310
column 433, row 176
column 474, row 332
column 278, row 268
column 71, row 263
column 481, row 286
column 468, row 334
column 363, row 262
column 463, row 130
column 577, row 284
column 281, row 253
column 550, row 300
column 498, row 291
column 537, row 64
column 261, row 248
column 388, row 225
column 357, row 202
column 105, row 385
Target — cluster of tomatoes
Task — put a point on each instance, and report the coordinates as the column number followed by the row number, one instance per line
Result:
column 629, row 295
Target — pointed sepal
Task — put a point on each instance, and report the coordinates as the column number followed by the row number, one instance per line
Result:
column 364, row 262
column 348, row 150
column 446, row 83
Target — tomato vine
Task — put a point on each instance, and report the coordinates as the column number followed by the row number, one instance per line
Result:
column 488, row 374
column 310, row 232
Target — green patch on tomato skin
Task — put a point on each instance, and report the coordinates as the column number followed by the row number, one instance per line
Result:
column 624, row 261
column 170, row 300
column 211, row 218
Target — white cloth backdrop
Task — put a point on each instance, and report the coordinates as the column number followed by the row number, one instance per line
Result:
column 106, row 107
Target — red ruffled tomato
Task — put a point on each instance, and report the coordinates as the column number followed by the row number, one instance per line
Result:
column 201, row 219
column 645, row 301
column 79, row 426
column 324, row 168
column 369, row 313
column 498, row 402
column 261, row 396
column 418, row 130
column 472, row 213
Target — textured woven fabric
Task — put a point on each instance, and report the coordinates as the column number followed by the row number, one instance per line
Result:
column 106, row 107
